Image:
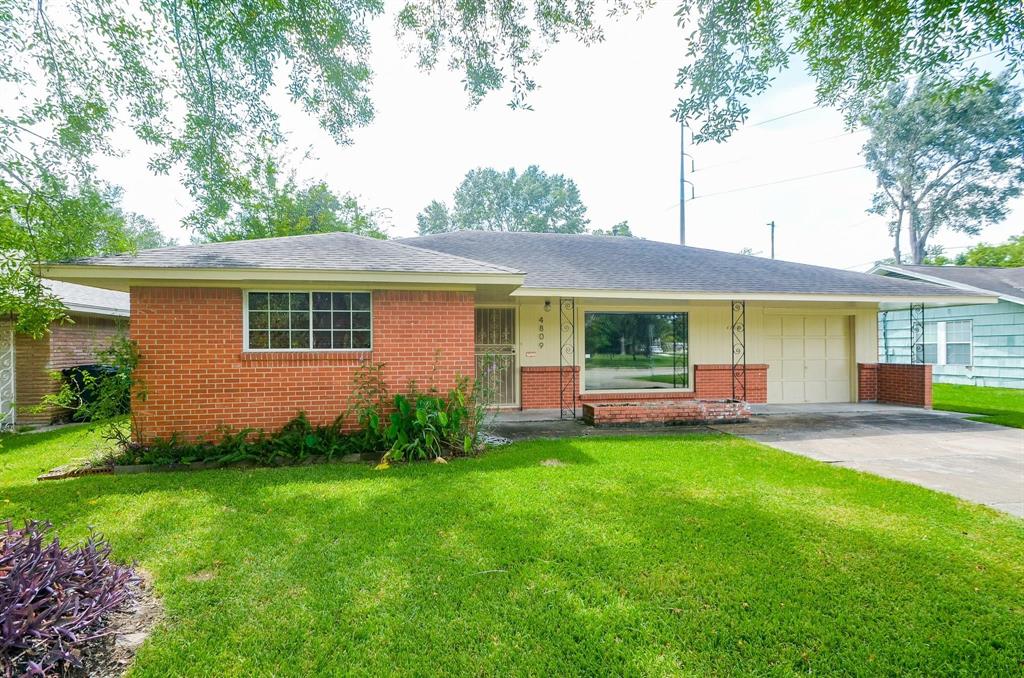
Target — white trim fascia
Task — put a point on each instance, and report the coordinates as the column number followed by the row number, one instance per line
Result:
column 748, row 296
column 943, row 281
column 91, row 274
column 97, row 310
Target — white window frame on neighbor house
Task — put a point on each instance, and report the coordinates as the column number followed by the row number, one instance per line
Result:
column 311, row 349
column 942, row 343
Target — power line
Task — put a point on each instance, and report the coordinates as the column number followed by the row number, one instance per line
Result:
column 744, row 158
column 780, row 117
column 779, row 181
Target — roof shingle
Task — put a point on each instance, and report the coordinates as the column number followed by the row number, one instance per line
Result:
column 553, row 260
column 322, row 252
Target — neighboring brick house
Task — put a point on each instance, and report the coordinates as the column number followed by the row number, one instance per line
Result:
column 246, row 334
column 27, row 364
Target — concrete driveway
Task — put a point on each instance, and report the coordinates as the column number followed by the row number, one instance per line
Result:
column 979, row 462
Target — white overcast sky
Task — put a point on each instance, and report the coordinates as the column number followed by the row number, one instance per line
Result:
column 602, row 118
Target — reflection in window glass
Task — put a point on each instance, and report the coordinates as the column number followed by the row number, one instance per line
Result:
column 309, row 320
column 636, row 351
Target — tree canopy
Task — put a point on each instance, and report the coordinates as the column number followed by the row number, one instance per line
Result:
column 489, row 200
column 619, row 229
column 277, row 206
column 731, row 49
column 1007, row 254
column 945, row 156
column 85, row 223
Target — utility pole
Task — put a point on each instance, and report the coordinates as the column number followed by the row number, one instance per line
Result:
column 771, row 224
column 682, row 182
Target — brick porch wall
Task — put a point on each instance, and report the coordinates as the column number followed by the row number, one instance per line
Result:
column 66, row 345
column 905, row 384
column 867, row 382
column 197, row 377
column 711, row 382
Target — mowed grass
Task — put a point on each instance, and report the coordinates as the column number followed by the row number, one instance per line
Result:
column 690, row 555
column 1003, row 406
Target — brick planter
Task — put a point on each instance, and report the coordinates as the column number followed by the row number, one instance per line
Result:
column 667, row 412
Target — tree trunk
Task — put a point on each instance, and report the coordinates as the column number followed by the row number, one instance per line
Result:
column 918, row 241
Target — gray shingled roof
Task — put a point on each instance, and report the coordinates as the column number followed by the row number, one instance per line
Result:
column 89, row 299
column 1003, row 281
column 322, row 252
column 553, row 260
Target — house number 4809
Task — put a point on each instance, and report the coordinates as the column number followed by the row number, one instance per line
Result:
column 540, row 332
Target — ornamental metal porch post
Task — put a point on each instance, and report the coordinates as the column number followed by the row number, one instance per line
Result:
column 567, row 388
column 739, row 350
column 917, row 334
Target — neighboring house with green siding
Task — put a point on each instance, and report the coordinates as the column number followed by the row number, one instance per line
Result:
column 981, row 344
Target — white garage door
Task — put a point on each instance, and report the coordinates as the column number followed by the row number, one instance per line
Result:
column 6, row 375
column 808, row 358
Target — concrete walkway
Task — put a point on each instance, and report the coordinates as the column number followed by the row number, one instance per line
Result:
column 943, row 451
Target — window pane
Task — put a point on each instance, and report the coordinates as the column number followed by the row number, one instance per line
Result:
column 361, row 321
column 258, row 320
column 279, row 339
column 257, row 301
column 278, row 320
column 341, row 301
column 300, row 321
column 635, row 351
column 958, row 354
column 279, row 301
column 321, row 320
column 360, row 301
column 958, row 331
column 258, row 340
column 360, row 340
column 300, row 339
column 342, row 321
column 322, row 340
column 342, row 340
column 931, row 353
column 300, row 301
column 322, row 301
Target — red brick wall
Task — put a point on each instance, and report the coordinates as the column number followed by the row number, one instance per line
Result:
column 539, row 386
column 66, row 345
column 664, row 412
column 905, row 384
column 197, row 378
column 715, row 381
column 867, row 382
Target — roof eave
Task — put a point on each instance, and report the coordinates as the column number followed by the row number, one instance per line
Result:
column 123, row 277
column 881, row 269
column 943, row 299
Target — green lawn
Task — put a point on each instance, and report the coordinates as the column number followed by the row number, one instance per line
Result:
column 701, row 555
column 1004, row 406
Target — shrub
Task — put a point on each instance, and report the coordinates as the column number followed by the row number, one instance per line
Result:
column 427, row 426
column 294, row 442
column 53, row 600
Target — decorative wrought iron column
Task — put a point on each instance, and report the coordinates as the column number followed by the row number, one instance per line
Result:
column 739, row 350
column 567, row 389
column 917, row 334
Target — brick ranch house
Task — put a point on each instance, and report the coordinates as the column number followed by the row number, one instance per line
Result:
column 27, row 363
column 246, row 334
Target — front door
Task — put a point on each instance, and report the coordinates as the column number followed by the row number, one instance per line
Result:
column 6, row 375
column 495, row 345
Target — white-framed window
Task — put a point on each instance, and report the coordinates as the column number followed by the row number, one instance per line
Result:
column 635, row 351
column 308, row 321
column 948, row 342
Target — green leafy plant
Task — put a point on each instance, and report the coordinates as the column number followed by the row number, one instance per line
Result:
column 103, row 397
